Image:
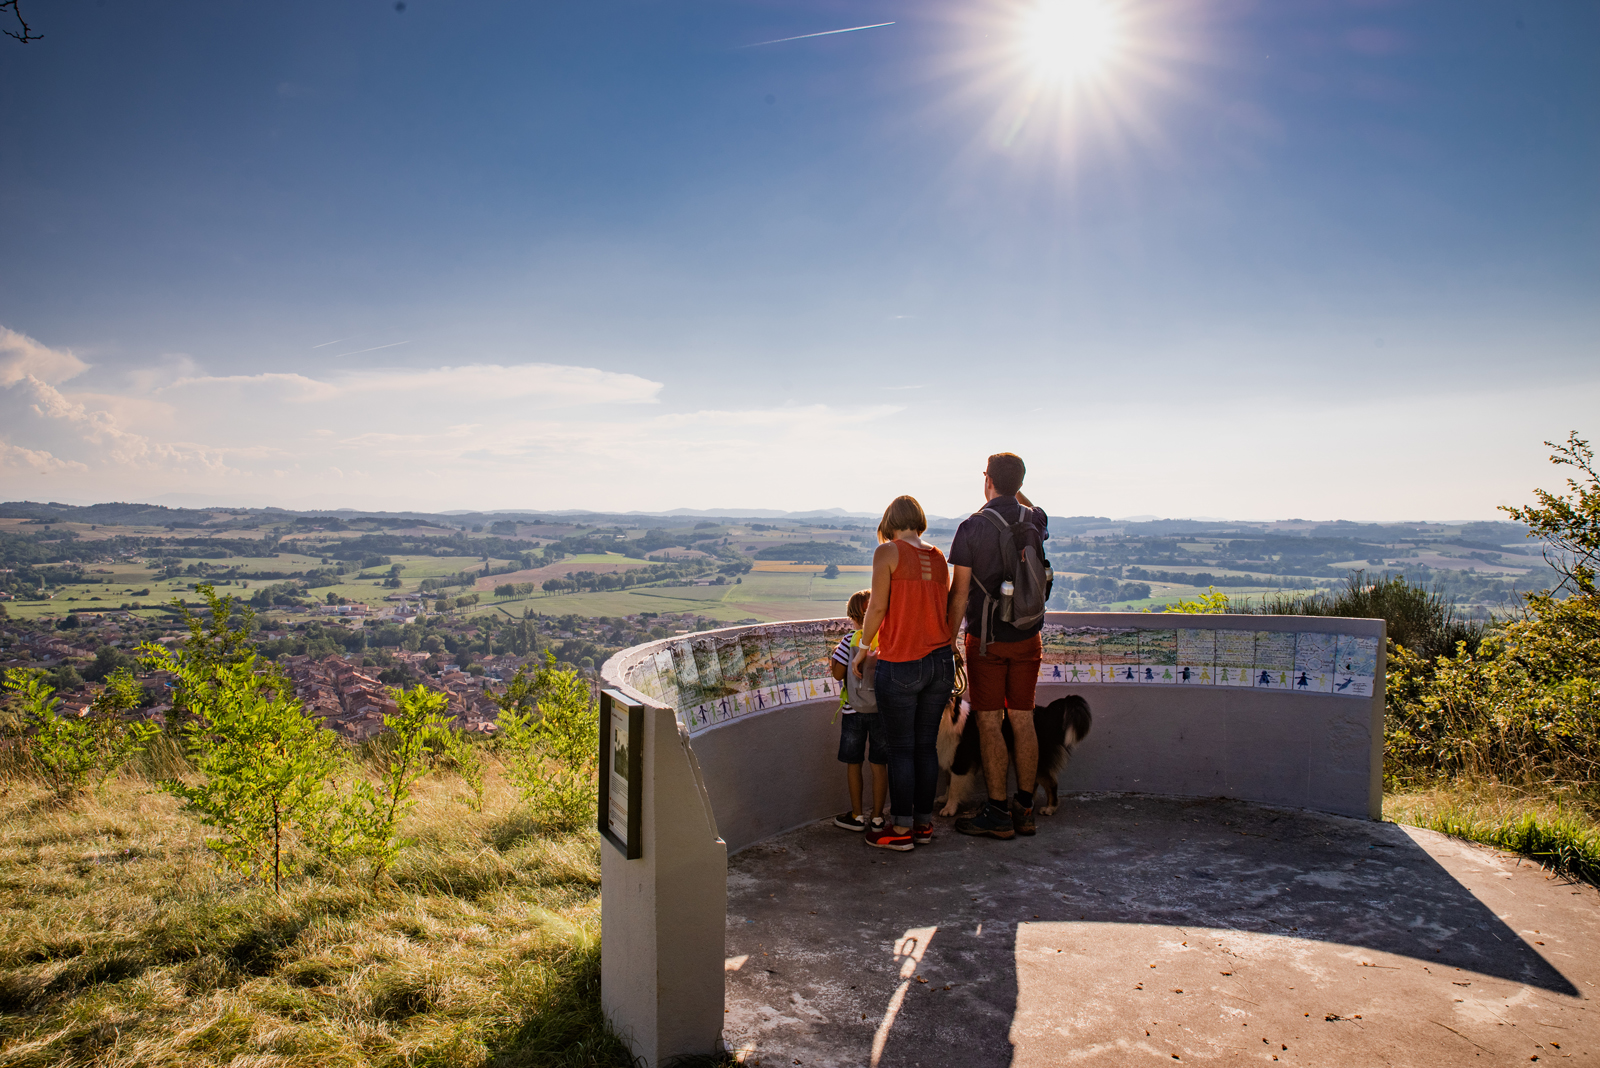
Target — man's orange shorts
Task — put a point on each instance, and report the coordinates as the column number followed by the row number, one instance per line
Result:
column 1005, row 677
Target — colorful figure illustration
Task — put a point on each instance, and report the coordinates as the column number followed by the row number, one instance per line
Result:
column 1265, row 679
column 722, row 706
column 1303, row 681
column 1074, row 672
column 1184, row 674
column 1149, row 675
column 1205, row 676
column 1345, row 685
column 1055, row 671
column 784, row 691
column 1129, row 676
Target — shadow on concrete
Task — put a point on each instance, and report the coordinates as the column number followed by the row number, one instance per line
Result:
column 819, row 919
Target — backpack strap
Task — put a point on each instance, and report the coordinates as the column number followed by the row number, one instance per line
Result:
column 991, row 601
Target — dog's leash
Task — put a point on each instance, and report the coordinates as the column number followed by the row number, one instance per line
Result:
column 960, row 684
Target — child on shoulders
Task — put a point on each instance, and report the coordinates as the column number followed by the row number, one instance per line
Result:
column 858, row 727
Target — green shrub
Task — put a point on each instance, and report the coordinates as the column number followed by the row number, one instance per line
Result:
column 263, row 765
column 552, row 750
column 372, row 813
column 66, row 750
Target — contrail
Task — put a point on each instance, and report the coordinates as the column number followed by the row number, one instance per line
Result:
column 374, row 348
column 824, row 33
column 335, row 341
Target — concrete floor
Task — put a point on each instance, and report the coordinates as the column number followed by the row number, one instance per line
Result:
column 1137, row 930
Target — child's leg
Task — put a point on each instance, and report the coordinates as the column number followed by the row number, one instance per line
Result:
column 852, row 778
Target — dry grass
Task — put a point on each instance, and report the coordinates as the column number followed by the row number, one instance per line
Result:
column 1555, row 829
column 120, row 944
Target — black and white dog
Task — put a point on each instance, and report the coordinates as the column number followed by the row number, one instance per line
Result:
column 1059, row 726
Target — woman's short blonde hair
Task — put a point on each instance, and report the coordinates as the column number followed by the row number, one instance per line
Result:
column 903, row 513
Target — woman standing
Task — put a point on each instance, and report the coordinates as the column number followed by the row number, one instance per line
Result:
column 910, row 615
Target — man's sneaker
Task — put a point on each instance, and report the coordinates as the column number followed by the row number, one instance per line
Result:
column 992, row 821
column 885, row 838
column 1022, row 819
column 922, row 833
column 850, row 821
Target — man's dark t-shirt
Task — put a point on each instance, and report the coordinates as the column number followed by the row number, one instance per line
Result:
column 977, row 545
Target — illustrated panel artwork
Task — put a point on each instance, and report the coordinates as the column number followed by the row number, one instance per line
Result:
column 1158, row 656
column 1236, row 656
column 1119, row 656
column 1355, row 666
column 644, row 675
column 1080, row 655
column 785, row 656
column 1197, row 656
column 1274, row 660
column 1314, row 655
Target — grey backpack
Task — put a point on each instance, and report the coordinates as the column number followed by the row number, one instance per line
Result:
column 1023, row 564
column 863, row 692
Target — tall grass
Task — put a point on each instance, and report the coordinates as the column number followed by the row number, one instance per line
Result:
column 122, row 944
column 1551, row 831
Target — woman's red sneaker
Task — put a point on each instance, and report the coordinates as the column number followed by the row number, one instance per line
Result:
column 886, row 837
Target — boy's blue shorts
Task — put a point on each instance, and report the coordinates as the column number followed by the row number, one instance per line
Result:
column 855, row 730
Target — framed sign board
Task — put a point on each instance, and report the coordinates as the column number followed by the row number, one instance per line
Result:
column 621, row 771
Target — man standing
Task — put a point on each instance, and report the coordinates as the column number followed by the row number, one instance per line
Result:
column 1001, row 679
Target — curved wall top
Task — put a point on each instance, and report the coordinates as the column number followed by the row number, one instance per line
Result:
column 717, row 677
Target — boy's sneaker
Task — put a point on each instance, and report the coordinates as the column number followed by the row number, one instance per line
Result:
column 991, row 820
column 850, row 821
column 1022, row 819
column 884, row 837
column 921, row 833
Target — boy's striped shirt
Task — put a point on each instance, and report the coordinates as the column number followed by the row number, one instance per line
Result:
column 842, row 655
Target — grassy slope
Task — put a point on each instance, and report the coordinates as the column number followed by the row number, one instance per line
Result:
column 1552, row 830
column 120, row 944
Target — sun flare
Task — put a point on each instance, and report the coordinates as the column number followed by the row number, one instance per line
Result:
column 1070, row 41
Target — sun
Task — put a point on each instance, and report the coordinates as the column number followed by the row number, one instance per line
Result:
column 1065, row 42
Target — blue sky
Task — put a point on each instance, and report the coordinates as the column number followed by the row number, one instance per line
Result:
column 1332, row 259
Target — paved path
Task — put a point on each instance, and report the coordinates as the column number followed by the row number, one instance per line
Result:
column 1135, row 930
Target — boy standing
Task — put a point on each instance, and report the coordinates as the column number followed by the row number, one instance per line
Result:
column 856, row 729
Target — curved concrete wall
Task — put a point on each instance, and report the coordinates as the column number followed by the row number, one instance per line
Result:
column 1283, row 710
column 1262, row 716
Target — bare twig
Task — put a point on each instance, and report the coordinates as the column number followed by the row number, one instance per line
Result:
column 27, row 34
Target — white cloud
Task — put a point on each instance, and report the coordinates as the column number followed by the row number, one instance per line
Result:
column 123, row 447
column 15, row 456
column 21, row 357
column 549, row 385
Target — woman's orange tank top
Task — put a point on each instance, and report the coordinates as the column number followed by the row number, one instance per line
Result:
column 919, row 591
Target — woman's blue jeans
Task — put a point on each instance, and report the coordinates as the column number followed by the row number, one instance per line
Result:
column 912, row 695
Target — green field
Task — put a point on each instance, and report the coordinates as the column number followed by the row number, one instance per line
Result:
column 766, row 596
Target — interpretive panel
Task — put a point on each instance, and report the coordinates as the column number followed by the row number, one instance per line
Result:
column 717, row 678
column 621, row 760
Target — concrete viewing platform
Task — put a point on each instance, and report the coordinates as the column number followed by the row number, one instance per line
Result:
column 1139, row 930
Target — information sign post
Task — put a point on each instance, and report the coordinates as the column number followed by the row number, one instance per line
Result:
column 621, row 767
